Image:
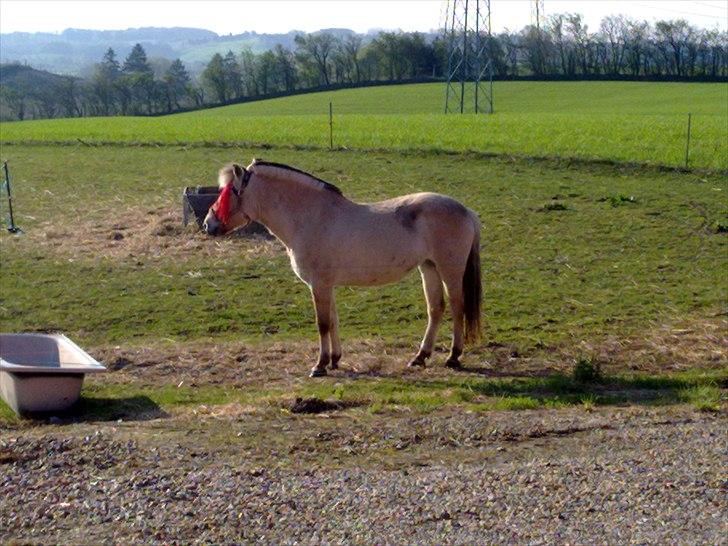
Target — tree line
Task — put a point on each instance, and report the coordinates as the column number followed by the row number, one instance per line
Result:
column 563, row 47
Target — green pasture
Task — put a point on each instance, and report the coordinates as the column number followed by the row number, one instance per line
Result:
column 570, row 254
column 607, row 251
column 573, row 256
column 624, row 122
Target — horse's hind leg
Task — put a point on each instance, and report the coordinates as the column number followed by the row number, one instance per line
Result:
column 453, row 278
column 432, row 284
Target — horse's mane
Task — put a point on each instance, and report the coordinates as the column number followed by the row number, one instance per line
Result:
column 302, row 176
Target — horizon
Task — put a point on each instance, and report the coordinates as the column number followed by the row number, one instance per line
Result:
column 20, row 16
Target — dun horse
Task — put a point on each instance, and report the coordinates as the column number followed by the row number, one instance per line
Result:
column 333, row 241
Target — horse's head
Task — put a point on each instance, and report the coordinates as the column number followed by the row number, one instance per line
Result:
column 226, row 214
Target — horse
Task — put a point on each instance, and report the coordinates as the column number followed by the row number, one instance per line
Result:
column 333, row 241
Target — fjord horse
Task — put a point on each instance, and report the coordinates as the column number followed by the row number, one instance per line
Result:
column 332, row 241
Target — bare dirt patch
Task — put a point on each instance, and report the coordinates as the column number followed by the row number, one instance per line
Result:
column 264, row 364
column 701, row 343
column 674, row 346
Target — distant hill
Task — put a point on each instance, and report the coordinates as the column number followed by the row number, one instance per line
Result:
column 19, row 77
column 75, row 51
column 27, row 93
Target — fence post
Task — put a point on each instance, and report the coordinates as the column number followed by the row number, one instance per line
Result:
column 331, row 127
column 687, row 145
column 12, row 228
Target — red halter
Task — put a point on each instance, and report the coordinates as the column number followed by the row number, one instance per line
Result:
column 223, row 212
column 223, row 203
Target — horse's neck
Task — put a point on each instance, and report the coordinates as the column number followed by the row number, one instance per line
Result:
column 287, row 208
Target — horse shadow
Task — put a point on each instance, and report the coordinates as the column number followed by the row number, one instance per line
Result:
column 490, row 372
column 91, row 409
column 541, row 387
column 464, row 370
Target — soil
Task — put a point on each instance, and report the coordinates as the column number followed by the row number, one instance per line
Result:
column 665, row 348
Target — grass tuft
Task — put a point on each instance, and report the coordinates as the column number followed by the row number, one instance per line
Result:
column 621, row 199
column 589, row 401
column 702, row 397
column 555, row 206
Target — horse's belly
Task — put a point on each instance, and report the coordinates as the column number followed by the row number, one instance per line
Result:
column 369, row 274
column 380, row 256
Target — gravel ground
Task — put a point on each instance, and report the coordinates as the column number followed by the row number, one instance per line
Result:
column 614, row 475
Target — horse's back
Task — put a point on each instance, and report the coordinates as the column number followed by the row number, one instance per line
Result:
column 434, row 215
column 439, row 227
column 408, row 209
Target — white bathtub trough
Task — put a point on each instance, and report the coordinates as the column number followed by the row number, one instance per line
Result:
column 42, row 372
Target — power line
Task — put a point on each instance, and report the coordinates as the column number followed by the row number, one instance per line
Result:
column 724, row 7
column 679, row 11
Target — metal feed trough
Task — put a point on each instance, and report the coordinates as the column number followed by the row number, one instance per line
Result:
column 196, row 201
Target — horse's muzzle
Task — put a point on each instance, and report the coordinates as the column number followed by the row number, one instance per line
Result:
column 211, row 228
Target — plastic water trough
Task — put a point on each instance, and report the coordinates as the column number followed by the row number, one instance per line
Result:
column 42, row 373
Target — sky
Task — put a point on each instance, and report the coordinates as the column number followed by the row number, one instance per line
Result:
column 280, row 16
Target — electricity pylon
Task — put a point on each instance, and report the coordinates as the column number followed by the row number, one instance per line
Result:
column 469, row 60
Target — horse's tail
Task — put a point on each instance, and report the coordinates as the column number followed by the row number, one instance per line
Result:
column 472, row 288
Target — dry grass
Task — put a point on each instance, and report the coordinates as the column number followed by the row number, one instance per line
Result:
column 138, row 233
column 676, row 346
column 699, row 343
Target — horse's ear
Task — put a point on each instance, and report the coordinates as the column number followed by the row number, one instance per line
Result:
column 239, row 178
column 224, row 176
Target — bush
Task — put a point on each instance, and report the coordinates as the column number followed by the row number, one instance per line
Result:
column 721, row 226
column 621, row 199
column 587, row 370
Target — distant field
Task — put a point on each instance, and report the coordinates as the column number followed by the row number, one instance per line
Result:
column 614, row 121
column 609, row 98
column 200, row 54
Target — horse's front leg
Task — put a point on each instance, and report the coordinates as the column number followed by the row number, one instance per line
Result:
column 322, row 300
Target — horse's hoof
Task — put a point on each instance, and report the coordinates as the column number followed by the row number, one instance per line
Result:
column 453, row 363
column 317, row 372
column 416, row 363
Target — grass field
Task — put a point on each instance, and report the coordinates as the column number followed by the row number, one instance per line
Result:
column 625, row 122
column 595, row 262
column 583, row 98
column 612, row 262
column 625, row 250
